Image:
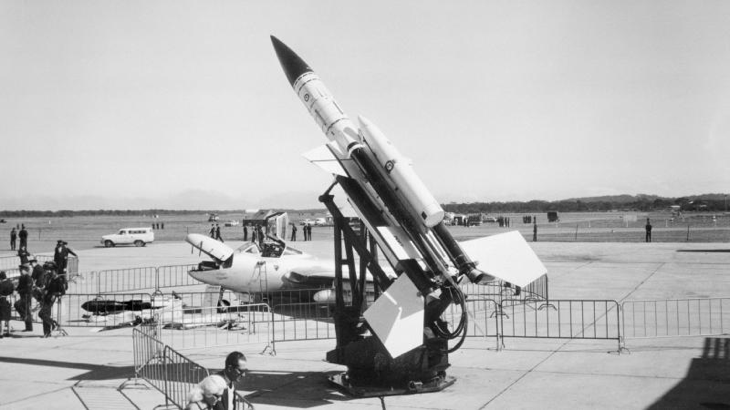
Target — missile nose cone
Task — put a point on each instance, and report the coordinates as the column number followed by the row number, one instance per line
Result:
column 292, row 64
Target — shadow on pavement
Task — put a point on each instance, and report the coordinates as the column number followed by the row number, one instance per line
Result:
column 707, row 383
column 95, row 371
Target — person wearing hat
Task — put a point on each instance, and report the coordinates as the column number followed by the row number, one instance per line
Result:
column 60, row 256
column 6, row 289
column 23, row 254
column 38, row 275
column 52, row 291
column 25, row 290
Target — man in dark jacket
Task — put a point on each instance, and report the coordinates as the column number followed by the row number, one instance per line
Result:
column 23, row 235
column 60, row 256
column 23, row 254
column 13, row 237
column 52, row 291
column 25, row 290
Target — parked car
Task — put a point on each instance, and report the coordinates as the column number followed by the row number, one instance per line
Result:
column 129, row 236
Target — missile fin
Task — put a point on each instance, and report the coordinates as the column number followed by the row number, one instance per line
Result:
column 506, row 256
column 396, row 317
column 323, row 158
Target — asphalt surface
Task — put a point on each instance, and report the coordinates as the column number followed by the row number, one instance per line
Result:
column 85, row 368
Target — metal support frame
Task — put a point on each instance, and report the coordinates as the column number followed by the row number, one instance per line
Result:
column 371, row 370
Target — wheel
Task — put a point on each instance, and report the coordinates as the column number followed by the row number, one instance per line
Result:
column 108, row 243
column 138, row 243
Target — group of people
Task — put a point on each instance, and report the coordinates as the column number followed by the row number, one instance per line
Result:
column 306, row 231
column 44, row 283
column 215, row 232
column 21, row 234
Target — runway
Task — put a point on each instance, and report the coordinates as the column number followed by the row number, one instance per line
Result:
column 84, row 369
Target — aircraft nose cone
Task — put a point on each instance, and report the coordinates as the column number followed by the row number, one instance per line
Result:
column 292, row 64
column 202, row 276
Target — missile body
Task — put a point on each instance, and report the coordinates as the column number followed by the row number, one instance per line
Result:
column 380, row 169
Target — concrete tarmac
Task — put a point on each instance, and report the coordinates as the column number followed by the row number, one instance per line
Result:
column 85, row 368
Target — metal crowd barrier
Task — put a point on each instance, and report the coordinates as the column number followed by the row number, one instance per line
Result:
column 499, row 290
column 205, row 327
column 168, row 371
column 10, row 264
column 133, row 279
column 561, row 319
column 301, row 321
column 678, row 317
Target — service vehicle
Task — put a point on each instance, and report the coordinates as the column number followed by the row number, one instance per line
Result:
column 129, row 236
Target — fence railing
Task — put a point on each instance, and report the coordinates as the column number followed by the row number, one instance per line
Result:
column 678, row 317
column 168, row 371
column 499, row 290
column 133, row 279
column 207, row 327
column 10, row 264
column 572, row 319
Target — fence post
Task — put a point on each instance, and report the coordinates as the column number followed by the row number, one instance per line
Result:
column 165, row 375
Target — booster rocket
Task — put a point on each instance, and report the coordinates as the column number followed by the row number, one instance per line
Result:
column 404, row 210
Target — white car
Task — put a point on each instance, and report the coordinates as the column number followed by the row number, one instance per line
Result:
column 129, row 236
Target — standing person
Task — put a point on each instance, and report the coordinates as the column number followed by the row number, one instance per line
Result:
column 534, row 232
column 60, row 256
column 13, row 236
column 648, row 230
column 253, row 234
column 260, row 234
column 6, row 289
column 23, row 235
column 218, row 391
column 25, row 291
column 212, row 231
column 55, row 288
column 245, row 232
column 293, row 233
column 23, row 254
column 38, row 276
column 218, row 233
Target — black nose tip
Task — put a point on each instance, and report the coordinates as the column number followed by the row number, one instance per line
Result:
column 292, row 64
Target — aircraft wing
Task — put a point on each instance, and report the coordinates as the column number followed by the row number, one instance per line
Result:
column 211, row 247
column 506, row 256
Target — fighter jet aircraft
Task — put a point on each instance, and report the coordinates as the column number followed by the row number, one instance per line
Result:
column 260, row 270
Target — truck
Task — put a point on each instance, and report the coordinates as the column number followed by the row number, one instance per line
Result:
column 553, row 216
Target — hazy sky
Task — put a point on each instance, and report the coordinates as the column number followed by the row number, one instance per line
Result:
column 183, row 104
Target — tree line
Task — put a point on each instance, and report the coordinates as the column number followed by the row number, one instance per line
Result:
column 638, row 204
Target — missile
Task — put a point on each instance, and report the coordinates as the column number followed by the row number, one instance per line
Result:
column 388, row 173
